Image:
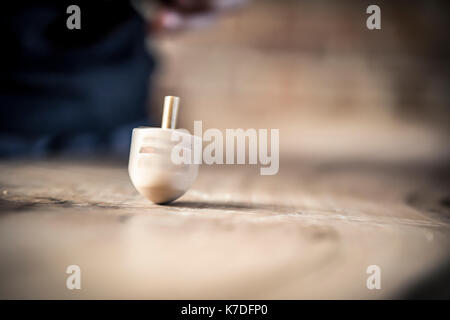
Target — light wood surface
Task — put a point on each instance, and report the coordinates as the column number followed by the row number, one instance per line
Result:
column 309, row 232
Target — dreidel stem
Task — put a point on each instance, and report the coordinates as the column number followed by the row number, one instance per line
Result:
column 170, row 113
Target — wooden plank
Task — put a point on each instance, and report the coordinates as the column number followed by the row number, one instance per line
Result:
column 309, row 232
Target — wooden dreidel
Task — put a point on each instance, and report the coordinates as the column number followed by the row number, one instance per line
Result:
column 151, row 167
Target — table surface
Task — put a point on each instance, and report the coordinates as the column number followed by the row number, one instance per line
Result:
column 309, row 232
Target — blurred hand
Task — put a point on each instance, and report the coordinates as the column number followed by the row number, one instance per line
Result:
column 176, row 15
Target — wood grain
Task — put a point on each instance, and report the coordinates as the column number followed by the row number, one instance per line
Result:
column 309, row 232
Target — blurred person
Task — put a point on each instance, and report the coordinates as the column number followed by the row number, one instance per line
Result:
column 81, row 91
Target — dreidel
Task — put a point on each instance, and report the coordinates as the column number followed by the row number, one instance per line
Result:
column 151, row 166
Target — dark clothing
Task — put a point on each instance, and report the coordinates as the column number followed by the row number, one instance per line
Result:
column 71, row 90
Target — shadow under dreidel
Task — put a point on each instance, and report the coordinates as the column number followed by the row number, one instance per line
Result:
column 236, row 206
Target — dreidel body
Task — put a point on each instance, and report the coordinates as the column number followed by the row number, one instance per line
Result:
column 151, row 167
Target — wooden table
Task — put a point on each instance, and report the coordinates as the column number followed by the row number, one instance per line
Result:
column 309, row 232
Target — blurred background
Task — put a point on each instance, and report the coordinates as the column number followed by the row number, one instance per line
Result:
column 334, row 88
column 312, row 69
